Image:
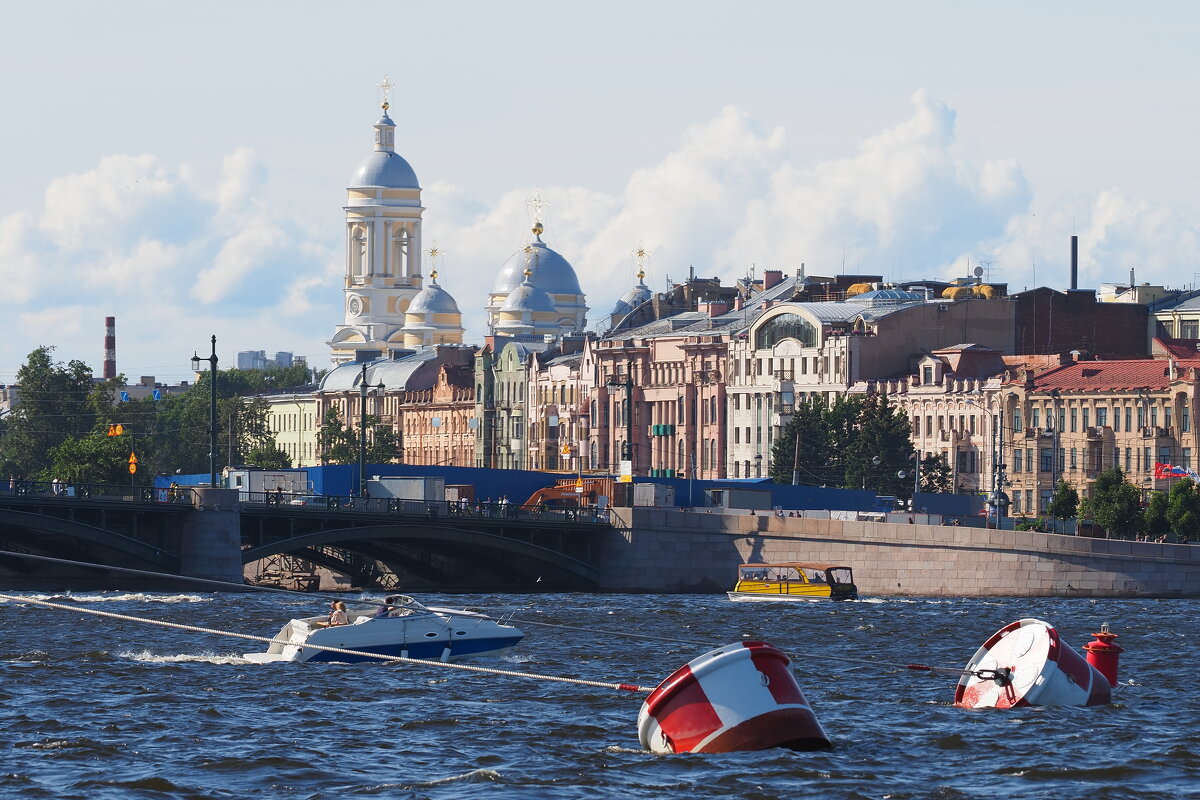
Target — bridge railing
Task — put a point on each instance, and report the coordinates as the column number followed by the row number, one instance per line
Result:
column 62, row 490
column 429, row 509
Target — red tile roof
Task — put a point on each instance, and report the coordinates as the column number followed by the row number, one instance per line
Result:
column 1142, row 373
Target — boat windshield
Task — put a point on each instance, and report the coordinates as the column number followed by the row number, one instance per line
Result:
column 840, row 575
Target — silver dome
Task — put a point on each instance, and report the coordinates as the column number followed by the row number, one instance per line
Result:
column 433, row 299
column 528, row 297
column 551, row 272
column 384, row 169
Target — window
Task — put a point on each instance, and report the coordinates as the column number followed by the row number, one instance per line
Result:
column 1016, row 460
column 1074, row 420
column 1185, row 418
column 1153, row 416
column 1167, row 417
column 1186, row 456
column 1016, row 420
column 1147, row 455
column 1047, row 456
column 1074, row 458
column 712, row 409
column 737, row 470
column 962, row 461
column 1037, row 418
column 1141, row 417
column 1016, row 502
column 1101, row 417
column 1087, row 418
column 1128, row 420
column 929, row 425
column 785, row 326
column 1164, row 455
column 1189, row 329
column 927, row 375
column 972, row 423
column 916, row 423
column 1128, row 458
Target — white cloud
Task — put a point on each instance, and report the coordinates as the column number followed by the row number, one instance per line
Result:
column 181, row 251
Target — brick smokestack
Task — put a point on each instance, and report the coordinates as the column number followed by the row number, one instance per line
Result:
column 110, row 347
column 1074, row 262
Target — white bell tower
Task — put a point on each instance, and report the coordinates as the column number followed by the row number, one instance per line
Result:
column 383, row 247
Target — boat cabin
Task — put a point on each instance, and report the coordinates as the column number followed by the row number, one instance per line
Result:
column 795, row 580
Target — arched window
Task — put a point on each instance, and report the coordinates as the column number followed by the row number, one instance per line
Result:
column 785, row 326
column 712, row 409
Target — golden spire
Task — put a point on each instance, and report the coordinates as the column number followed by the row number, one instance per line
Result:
column 537, row 204
column 641, row 254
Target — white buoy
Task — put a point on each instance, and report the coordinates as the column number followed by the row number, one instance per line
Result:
column 1025, row 663
column 741, row 696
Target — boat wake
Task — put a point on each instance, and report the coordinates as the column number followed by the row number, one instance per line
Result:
column 146, row 657
column 126, row 597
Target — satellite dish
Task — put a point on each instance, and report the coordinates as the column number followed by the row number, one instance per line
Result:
column 978, row 272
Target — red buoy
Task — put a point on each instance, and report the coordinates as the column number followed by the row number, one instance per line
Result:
column 741, row 696
column 1104, row 655
column 1026, row 664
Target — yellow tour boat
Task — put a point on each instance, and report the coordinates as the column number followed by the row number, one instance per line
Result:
column 790, row 581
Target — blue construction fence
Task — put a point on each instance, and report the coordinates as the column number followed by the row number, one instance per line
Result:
column 518, row 485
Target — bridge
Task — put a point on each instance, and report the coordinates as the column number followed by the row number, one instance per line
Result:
column 380, row 543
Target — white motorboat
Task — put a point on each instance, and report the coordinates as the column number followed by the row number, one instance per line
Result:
column 409, row 629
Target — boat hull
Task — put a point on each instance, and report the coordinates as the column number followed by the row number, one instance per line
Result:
column 755, row 597
column 427, row 636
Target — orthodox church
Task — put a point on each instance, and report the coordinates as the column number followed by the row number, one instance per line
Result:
column 547, row 302
column 387, row 306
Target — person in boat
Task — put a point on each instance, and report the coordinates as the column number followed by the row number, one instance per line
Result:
column 337, row 616
column 389, row 605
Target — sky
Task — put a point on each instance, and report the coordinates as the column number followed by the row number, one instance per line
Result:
column 182, row 167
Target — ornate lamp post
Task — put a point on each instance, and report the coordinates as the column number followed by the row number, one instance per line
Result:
column 212, row 408
column 363, row 386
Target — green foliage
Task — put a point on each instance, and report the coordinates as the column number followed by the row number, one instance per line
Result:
column 58, row 428
column 936, row 474
column 858, row 441
column 55, row 403
column 1065, row 502
column 1184, row 508
column 1155, row 521
column 1114, row 504
column 340, row 445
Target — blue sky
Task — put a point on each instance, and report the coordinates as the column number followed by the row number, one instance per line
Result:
column 183, row 166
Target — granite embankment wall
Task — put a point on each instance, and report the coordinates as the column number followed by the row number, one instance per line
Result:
column 653, row 550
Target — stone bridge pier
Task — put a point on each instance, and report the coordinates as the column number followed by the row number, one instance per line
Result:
column 210, row 544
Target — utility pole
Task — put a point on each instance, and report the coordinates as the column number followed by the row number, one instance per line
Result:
column 362, row 429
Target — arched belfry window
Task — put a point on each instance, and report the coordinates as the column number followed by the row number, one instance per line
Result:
column 399, row 263
column 358, row 251
column 785, row 326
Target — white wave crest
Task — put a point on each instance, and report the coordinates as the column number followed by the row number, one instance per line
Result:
column 126, row 597
column 146, row 657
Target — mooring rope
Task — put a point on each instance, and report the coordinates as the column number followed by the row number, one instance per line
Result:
column 450, row 612
column 623, row 687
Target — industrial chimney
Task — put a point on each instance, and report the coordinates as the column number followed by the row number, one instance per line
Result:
column 110, row 348
column 1074, row 261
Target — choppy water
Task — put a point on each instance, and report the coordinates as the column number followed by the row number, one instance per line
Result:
column 102, row 709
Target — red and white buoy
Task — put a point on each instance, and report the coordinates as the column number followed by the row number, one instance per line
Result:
column 1026, row 663
column 1103, row 654
column 741, row 696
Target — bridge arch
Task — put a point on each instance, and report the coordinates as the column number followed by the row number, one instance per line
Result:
column 480, row 560
column 63, row 535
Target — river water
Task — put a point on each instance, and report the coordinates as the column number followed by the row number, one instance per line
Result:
column 93, row 708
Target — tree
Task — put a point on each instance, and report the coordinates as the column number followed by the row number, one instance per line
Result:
column 339, row 444
column 1114, row 504
column 336, row 444
column 858, row 441
column 936, row 474
column 55, row 403
column 1155, row 519
column 1065, row 502
column 1184, row 509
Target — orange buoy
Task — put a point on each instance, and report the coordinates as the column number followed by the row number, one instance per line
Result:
column 1104, row 655
column 1026, row 664
column 741, row 696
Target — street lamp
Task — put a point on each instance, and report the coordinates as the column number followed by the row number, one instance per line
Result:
column 996, row 499
column 212, row 408
column 362, row 429
column 627, row 385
